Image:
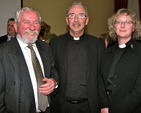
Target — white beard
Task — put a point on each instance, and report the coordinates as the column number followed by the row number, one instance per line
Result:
column 24, row 39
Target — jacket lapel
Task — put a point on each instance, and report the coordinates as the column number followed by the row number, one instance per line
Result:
column 44, row 57
column 64, row 51
column 89, row 54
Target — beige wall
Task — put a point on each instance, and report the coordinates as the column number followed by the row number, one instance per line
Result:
column 54, row 12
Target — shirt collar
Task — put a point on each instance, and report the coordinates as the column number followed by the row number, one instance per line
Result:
column 76, row 38
column 24, row 45
column 122, row 46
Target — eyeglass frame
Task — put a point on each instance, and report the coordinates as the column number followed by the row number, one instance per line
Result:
column 76, row 15
column 125, row 22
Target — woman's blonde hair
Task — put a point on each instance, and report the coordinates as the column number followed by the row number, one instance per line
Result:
column 137, row 24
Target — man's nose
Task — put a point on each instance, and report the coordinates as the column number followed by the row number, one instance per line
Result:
column 32, row 26
column 11, row 26
column 76, row 18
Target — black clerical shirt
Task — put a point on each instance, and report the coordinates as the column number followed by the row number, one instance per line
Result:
column 76, row 81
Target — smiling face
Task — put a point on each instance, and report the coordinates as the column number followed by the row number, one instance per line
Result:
column 28, row 27
column 77, row 24
column 10, row 28
column 124, row 27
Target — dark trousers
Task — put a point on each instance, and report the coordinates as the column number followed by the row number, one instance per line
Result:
column 82, row 107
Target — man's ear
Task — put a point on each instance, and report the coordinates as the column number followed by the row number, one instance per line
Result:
column 67, row 20
column 87, row 20
column 15, row 26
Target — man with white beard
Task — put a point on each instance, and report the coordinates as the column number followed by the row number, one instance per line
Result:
column 21, row 61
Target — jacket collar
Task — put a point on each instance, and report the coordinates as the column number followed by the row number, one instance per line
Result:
column 130, row 44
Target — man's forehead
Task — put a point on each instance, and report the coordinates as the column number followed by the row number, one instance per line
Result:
column 11, row 22
column 29, row 15
column 77, row 9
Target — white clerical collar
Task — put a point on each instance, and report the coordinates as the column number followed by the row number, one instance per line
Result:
column 76, row 38
column 122, row 46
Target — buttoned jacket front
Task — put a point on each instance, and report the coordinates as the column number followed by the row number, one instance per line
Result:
column 126, row 86
column 16, row 92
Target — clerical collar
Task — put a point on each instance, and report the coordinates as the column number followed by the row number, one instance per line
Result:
column 76, row 38
column 122, row 46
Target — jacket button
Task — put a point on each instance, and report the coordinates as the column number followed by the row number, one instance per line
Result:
column 14, row 83
column 114, row 85
column 64, row 98
column 65, row 82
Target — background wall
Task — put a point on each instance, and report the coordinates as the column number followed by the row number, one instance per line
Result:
column 134, row 5
column 7, row 10
column 53, row 12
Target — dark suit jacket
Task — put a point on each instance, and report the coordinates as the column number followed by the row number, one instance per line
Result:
column 94, row 50
column 126, row 89
column 16, row 92
column 3, row 39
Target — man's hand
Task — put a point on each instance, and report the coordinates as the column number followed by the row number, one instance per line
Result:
column 105, row 110
column 48, row 87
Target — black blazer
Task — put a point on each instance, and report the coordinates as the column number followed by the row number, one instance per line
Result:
column 126, row 89
column 16, row 92
column 94, row 50
column 3, row 39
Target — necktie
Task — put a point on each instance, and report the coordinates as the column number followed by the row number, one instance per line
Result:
column 42, row 99
column 11, row 38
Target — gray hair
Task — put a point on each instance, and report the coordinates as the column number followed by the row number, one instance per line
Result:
column 17, row 16
column 78, row 3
